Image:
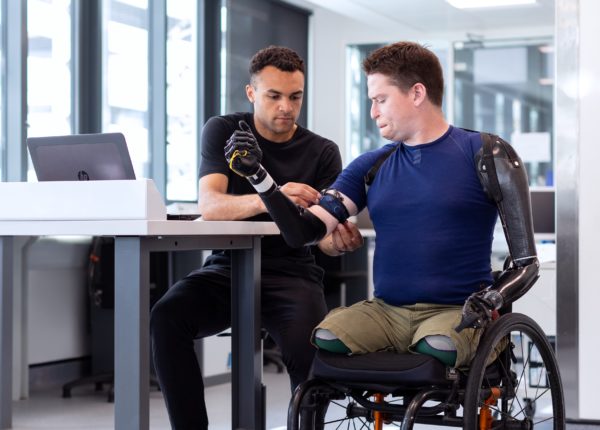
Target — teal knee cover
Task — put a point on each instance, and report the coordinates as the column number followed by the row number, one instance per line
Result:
column 326, row 340
column 446, row 356
column 334, row 345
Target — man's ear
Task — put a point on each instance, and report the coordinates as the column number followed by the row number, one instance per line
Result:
column 419, row 92
column 250, row 93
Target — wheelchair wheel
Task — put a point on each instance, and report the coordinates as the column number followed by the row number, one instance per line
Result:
column 309, row 405
column 521, row 388
column 323, row 407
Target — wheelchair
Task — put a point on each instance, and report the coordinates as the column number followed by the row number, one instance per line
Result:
column 513, row 382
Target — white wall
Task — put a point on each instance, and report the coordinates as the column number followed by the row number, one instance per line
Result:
column 589, row 209
column 57, row 297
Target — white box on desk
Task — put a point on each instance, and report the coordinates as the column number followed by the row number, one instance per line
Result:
column 81, row 200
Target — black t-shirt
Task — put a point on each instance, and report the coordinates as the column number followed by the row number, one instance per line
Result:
column 306, row 158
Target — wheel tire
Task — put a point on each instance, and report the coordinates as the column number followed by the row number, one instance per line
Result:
column 536, row 377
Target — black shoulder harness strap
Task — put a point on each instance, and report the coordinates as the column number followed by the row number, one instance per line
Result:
column 370, row 176
column 488, row 163
column 488, row 166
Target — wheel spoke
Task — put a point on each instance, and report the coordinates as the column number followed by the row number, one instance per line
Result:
column 544, row 420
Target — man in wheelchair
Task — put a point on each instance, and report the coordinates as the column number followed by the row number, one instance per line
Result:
column 434, row 196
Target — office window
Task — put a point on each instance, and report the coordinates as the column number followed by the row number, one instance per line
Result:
column 125, row 77
column 506, row 88
column 182, row 148
column 49, row 68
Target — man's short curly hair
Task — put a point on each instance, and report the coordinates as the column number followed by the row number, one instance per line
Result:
column 284, row 59
column 407, row 63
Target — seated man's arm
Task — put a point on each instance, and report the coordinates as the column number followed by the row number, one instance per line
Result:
column 503, row 177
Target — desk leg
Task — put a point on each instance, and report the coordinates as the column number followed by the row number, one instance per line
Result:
column 246, row 372
column 6, row 331
column 132, row 353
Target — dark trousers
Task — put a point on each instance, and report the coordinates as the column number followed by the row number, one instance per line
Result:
column 199, row 306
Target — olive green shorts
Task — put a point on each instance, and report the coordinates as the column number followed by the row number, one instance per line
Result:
column 374, row 325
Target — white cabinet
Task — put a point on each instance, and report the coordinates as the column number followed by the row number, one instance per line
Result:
column 216, row 357
column 540, row 301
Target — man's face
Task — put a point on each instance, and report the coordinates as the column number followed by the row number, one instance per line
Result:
column 391, row 108
column 277, row 98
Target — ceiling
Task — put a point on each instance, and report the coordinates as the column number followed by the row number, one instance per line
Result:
column 437, row 16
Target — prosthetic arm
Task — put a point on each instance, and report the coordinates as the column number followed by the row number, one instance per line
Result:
column 504, row 179
column 298, row 226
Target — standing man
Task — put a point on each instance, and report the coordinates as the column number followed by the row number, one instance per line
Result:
column 292, row 299
column 434, row 202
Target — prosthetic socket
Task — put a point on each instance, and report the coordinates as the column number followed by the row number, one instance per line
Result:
column 504, row 179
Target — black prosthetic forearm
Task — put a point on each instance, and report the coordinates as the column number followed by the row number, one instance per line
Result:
column 298, row 226
column 504, row 178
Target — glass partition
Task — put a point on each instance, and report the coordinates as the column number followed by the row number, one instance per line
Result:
column 506, row 88
column 502, row 87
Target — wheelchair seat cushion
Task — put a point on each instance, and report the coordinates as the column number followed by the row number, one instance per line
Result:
column 381, row 368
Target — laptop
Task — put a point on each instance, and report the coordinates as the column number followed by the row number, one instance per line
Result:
column 81, row 157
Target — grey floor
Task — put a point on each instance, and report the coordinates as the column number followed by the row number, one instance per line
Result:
column 90, row 410
column 87, row 409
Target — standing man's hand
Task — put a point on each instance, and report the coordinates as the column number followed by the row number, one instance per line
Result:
column 301, row 194
column 242, row 151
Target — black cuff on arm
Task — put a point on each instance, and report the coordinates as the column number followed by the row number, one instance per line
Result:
column 332, row 202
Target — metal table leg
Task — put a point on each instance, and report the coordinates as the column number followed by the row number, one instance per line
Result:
column 132, row 304
column 6, row 330
column 245, row 342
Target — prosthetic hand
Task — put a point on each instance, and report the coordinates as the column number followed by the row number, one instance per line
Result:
column 242, row 151
column 480, row 308
column 244, row 156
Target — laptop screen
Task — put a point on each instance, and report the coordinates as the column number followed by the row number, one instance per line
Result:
column 81, row 157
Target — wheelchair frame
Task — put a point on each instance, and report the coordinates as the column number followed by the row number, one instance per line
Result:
column 487, row 394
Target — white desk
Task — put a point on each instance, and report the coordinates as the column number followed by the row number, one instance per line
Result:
column 134, row 240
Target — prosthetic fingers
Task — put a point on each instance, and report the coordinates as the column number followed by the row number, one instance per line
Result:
column 298, row 226
column 504, row 179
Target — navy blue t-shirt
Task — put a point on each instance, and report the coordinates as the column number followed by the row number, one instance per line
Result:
column 434, row 223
